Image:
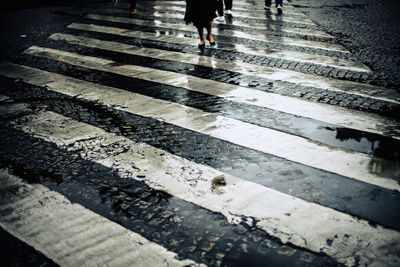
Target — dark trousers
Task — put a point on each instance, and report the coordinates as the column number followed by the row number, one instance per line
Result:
column 133, row 4
column 220, row 6
column 277, row 2
column 228, row 4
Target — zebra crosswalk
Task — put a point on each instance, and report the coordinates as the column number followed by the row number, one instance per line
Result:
column 97, row 239
column 124, row 144
column 226, row 33
column 318, row 60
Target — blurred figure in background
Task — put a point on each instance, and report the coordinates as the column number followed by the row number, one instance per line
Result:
column 132, row 7
column 220, row 10
column 228, row 7
column 278, row 3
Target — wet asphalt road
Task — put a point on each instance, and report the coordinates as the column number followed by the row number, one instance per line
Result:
column 88, row 169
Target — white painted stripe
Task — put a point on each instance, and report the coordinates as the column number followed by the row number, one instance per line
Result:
column 237, row 14
column 251, row 5
column 290, row 219
column 322, row 112
column 218, row 32
column 3, row 98
column 324, row 61
column 360, row 89
column 348, row 163
column 235, row 8
column 70, row 234
column 269, row 27
column 259, row 25
column 287, row 29
column 262, row 12
column 257, row 3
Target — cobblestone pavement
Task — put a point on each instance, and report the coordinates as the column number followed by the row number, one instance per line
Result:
column 124, row 144
column 368, row 29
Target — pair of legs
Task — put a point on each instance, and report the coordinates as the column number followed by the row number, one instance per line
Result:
column 220, row 6
column 278, row 4
column 268, row 3
column 209, row 37
column 228, row 4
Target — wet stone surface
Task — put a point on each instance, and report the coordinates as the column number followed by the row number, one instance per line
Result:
column 253, row 59
column 19, row 253
column 301, row 181
column 179, row 226
column 284, row 88
column 236, row 40
column 368, row 29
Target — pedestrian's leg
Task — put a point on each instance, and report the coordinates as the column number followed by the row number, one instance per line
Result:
column 220, row 10
column 209, row 34
column 200, row 30
column 133, row 7
column 228, row 4
column 228, row 7
column 279, row 4
column 268, row 4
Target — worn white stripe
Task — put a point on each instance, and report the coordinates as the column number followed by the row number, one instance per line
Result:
column 169, row 11
column 218, row 32
column 323, row 112
column 361, row 89
column 351, row 164
column 248, row 5
column 256, row 4
column 36, row 209
column 324, row 61
column 290, row 219
column 268, row 26
column 235, row 8
column 257, row 25
column 285, row 29
column 261, row 12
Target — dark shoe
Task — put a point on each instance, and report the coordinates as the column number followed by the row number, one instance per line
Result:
column 201, row 46
column 279, row 7
column 211, row 43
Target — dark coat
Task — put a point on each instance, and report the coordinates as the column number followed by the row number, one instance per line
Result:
column 200, row 12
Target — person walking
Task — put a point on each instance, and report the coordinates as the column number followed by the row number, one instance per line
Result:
column 220, row 10
column 228, row 7
column 132, row 8
column 278, row 3
column 201, row 13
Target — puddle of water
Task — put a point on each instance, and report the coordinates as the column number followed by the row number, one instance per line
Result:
column 364, row 142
